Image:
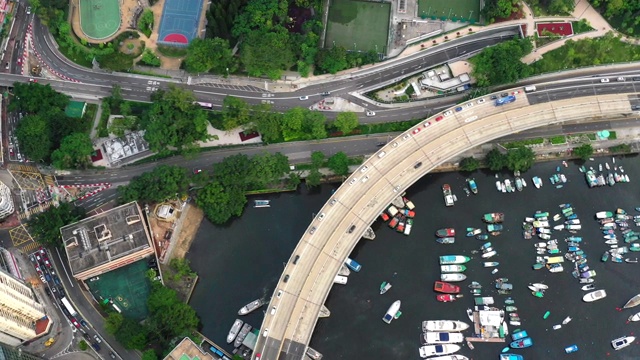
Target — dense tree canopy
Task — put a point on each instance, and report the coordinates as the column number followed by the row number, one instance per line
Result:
column 495, row 160
column 174, row 121
column 74, row 152
column 267, row 53
column 210, row 55
column 339, row 163
column 45, row 124
column 499, row 9
column 346, row 122
column 33, row 134
column 235, row 113
column 500, row 64
column 520, row 159
column 168, row 316
column 303, row 124
column 160, row 184
column 583, row 151
column 45, row 226
column 469, row 164
column 221, row 203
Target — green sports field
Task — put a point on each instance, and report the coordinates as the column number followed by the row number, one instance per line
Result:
column 358, row 25
column 451, row 10
column 99, row 19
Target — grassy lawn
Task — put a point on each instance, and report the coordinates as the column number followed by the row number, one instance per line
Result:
column 612, row 135
column 587, row 52
column 557, row 140
column 591, row 136
column 89, row 117
column 79, row 59
column 581, row 26
column 358, row 25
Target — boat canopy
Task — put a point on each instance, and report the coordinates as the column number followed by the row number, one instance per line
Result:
column 490, row 318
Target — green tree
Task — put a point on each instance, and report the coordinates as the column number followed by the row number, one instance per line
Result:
column 113, row 322
column 82, row 345
column 267, row 123
column 235, row 113
column 33, row 98
column 267, row 53
column 267, row 169
column 145, row 23
column 294, row 179
column 495, row 160
column 132, row 335
column 317, row 159
column 500, row 9
column 469, row 164
column 583, row 151
column 221, row 203
column 314, row 178
column 149, row 58
column 161, row 183
column 174, row 121
column 149, row 355
column 115, row 100
column 33, row 134
column 74, row 152
column 520, row 159
column 346, row 122
column 314, row 125
column 169, row 316
column 45, row 226
column 332, row 60
column 291, row 123
column 181, row 266
column 204, row 55
column 500, row 64
column 339, row 163
column 233, row 171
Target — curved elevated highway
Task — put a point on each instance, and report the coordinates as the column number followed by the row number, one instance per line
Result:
column 308, row 276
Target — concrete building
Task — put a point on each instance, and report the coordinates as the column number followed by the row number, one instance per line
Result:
column 19, row 311
column 107, row 241
column 10, row 353
column 188, row 350
column 6, row 203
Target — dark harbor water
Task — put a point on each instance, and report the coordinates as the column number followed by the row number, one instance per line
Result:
column 242, row 262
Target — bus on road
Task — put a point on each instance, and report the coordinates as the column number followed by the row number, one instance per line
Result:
column 68, row 306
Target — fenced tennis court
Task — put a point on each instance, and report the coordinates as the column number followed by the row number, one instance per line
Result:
column 127, row 287
column 179, row 22
column 450, row 10
column 358, row 25
column 99, row 19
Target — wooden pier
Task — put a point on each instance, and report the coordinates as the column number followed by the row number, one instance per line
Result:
column 489, row 340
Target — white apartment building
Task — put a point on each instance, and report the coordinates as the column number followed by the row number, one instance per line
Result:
column 6, row 202
column 19, row 311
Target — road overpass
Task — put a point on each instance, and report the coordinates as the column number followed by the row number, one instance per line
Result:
column 308, row 275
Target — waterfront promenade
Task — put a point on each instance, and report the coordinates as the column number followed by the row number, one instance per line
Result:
column 308, row 276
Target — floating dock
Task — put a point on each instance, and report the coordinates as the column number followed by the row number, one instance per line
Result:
column 489, row 340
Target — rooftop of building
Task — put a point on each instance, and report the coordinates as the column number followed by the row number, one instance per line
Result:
column 104, row 238
column 188, row 350
column 75, row 109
